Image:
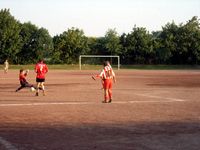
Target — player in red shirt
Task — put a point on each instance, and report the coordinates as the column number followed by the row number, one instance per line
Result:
column 41, row 69
column 22, row 78
column 107, row 75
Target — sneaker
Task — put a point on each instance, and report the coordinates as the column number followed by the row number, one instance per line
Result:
column 36, row 94
column 104, row 101
column 110, row 101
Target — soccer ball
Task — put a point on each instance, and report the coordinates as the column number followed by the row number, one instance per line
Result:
column 32, row 89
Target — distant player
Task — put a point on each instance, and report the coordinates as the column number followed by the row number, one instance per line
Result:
column 107, row 75
column 6, row 66
column 41, row 69
column 23, row 82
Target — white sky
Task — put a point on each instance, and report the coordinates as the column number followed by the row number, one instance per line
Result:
column 95, row 17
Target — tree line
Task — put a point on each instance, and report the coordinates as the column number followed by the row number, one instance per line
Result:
column 25, row 43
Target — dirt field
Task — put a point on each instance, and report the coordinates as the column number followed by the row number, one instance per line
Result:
column 151, row 110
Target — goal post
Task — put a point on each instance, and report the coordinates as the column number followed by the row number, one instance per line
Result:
column 98, row 56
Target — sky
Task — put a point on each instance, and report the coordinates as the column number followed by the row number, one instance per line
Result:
column 95, row 17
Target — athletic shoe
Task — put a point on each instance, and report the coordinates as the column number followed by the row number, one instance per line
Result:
column 36, row 94
column 104, row 101
column 110, row 101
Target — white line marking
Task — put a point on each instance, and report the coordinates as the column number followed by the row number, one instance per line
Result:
column 7, row 144
column 40, row 104
column 86, row 103
column 159, row 97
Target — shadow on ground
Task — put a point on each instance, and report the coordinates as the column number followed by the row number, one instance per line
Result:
column 131, row 136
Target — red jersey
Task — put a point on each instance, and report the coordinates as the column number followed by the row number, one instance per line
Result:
column 41, row 69
column 22, row 77
column 107, row 73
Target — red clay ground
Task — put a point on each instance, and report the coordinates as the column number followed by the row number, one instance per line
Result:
column 151, row 110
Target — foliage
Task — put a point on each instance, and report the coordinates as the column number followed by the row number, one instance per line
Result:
column 180, row 44
column 36, row 44
column 137, row 46
column 112, row 42
column 9, row 36
column 26, row 43
column 70, row 45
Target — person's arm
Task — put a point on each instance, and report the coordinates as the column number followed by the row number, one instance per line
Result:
column 35, row 68
column 114, row 77
column 98, row 75
column 47, row 69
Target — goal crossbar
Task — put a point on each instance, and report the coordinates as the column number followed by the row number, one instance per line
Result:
column 105, row 56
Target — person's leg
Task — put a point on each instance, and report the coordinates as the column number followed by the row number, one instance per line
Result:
column 21, row 87
column 110, row 91
column 37, row 90
column 106, row 96
column 110, row 95
column 31, row 86
column 28, row 85
column 5, row 70
column 43, row 89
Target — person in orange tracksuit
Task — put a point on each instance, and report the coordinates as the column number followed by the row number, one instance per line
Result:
column 108, row 76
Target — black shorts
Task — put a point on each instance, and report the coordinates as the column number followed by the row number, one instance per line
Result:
column 40, row 80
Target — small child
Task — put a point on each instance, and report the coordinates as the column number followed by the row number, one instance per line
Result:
column 22, row 78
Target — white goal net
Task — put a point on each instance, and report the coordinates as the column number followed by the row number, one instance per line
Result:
column 98, row 56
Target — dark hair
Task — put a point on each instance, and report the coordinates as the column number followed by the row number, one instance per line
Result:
column 40, row 60
column 21, row 70
column 107, row 62
column 104, row 63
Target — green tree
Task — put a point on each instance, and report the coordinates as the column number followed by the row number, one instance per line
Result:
column 112, row 42
column 56, row 53
column 188, row 43
column 180, row 44
column 9, row 36
column 97, row 46
column 125, row 55
column 70, row 44
column 36, row 44
column 44, row 44
column 138, row 46
column 162, row 54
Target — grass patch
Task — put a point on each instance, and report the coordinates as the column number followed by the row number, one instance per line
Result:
column 161, row 67
column 98, row 67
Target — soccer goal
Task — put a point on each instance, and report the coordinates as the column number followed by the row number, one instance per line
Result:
column 98, row 56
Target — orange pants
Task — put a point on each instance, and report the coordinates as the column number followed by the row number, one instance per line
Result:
column 107, row 85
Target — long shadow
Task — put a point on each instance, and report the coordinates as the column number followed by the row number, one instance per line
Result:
column 127, row 136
